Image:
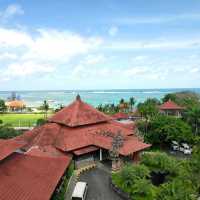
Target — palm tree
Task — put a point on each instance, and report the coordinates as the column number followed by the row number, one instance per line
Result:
column 45, row 107
column 132, row 102
column 192, row 115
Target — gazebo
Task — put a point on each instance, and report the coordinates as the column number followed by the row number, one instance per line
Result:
column 15, row 105
column 171, row 108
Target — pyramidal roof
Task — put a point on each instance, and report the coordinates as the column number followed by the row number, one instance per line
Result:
column 79, row 113
column 170, row 105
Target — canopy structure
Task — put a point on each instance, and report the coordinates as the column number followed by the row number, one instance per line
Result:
column 170, row 105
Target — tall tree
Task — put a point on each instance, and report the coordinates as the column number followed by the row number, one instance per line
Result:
column 2, row 106
column 192, row 116
column 148, row 110
column 45, row 107
column 132, row 102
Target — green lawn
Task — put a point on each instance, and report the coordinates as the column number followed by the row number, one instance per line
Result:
column 23, row 120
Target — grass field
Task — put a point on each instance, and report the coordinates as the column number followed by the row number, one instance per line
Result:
column 21, row 120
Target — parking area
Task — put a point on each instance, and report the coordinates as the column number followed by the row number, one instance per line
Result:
column 98, row 185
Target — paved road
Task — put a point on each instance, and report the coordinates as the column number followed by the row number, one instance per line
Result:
column 98, row 186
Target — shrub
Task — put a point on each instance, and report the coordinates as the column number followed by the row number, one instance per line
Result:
column 40, row 122
column 6, row 132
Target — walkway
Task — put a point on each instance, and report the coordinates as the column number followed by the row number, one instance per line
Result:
column 98, row 185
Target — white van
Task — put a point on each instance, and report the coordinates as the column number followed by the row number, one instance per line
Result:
column 80, row 191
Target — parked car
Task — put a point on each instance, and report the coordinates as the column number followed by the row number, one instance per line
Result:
column 175, row 146
column 185, row 148
column 80, row 191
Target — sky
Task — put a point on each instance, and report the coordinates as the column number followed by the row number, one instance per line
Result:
column 92, row 44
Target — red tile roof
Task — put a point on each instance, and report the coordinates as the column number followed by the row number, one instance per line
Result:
column 7, row 147
column 120, row 115
column 131, row 144
column 25, row 177
column 85, row 150
column 68, row 139
column 47, row 151
column 79, row 113
column 170, row 105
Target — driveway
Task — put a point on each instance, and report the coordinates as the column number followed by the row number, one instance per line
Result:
column 98, row 185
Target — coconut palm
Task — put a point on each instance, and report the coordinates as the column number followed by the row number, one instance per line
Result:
column 45, row 107
column 132, row 102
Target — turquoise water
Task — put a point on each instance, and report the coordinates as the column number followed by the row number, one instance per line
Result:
column 93, row 97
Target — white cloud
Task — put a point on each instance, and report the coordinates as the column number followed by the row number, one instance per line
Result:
column 32, row 55
column 113, row 30
column 11, row 11
column 156, row 44
column 93, row 59
column 195, row 70
column 12, row 38
column 134, row 20
column 23, row 69
column 59, row 45
column 8, row 56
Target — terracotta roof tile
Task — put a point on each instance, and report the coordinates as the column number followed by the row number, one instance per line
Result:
column 85, row 150
column 7, row 147
column 120, row 115
column 170, row 105
column 79, row 113
column 25, row 177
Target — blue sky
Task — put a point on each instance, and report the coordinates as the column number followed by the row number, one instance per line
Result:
column 99, row 44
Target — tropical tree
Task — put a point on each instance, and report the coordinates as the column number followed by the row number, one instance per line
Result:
column 132, row 102
column 187, row 99
column 2, row 106
column 148, row 110
column 163, row 129
column 143, row 189
column 192, row 116
column 45, row 107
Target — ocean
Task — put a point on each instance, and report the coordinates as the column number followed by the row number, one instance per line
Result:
column 93, row 97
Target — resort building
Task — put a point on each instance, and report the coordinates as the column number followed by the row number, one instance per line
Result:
column 15, row 105
column 32, row 165
column 171, row 108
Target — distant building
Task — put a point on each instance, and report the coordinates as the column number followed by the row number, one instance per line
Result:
column 15, row 105
column 171, row 108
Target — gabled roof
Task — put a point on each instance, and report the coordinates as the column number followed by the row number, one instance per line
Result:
column 170, row 105
column 26, row 177
column 120, row 115
column 79, row 113
column 7, row 147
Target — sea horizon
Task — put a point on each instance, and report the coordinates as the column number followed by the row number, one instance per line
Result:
column 55, row 98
